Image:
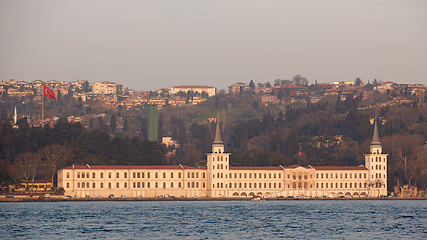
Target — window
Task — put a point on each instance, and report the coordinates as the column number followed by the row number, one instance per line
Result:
column 68, row 175
column 109, row 185
column 148, row 184
column 93, row 185
column 321, row 175
column 364, row 175
column 134, row 175
column 126, row 175
column 126, row 185
column 117, row 185
column 109, row 175
column 134, row 184
column 188, row 184
column 345, row 185
column 192, row 184
column 280, row 175
column 117, row 175
column 142, row 185
column 179, row 176
column 204, row 175
column 68, row 185
column 305, row 176
column 142, row 175
column 192, row 175
column 244, row 175
column 101, row 175
column 171, row 184
column 250, row 175
column 156, row 175
column 138, row 175
column 138, row 185
column 102, row 185
column 244, row 185
column 172, row 176
column 326, row 185
column 156, row 185
column 148, row 175
column 269, row 175
column 164, row 185
column 203, row 185
column 326, row 175
column 93, row 175
column 78, row 185
column 280, row 185
column 87, row 175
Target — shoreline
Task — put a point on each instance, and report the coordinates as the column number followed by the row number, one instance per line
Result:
column 60, row 199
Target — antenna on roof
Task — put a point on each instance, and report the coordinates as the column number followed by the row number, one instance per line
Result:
column 87, row 165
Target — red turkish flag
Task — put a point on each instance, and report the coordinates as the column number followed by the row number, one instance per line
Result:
column 48, row 92
column 300, row 153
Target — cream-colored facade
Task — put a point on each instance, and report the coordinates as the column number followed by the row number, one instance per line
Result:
column 211, row 91
column 220, row 180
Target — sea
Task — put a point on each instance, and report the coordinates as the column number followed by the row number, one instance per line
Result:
column 289, row 219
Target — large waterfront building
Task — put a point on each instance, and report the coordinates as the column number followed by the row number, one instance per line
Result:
column 220, row 180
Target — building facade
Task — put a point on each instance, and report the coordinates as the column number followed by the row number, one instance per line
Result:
column 220, row 180
column 211, row 91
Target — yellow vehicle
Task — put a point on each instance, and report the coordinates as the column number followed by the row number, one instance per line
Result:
column 38, row 186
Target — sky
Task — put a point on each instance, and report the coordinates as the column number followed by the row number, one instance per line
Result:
column 148, row 45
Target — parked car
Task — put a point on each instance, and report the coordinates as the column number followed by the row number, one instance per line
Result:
column 111, row 196
column 45, row 196
column 66, row 196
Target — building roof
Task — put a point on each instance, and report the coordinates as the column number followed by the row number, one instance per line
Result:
column 192, row 86
column 256, row 168
column 337, row 168
column 125, row 167
column 376, row 137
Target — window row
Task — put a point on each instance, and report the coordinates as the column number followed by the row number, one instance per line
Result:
column 101, row 185
column 378, row 159
column 138, row 175
column 164, row 185
column 341, row 175
column 138, row 185
column 340, row 185
column 248, row 185
column 377, row 167
column 255, row 175
column 222, row 158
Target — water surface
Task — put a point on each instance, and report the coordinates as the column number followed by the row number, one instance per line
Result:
column 330, row 219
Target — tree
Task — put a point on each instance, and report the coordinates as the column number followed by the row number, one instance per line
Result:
column 125, row 125
column 252, row 85
column 56, row 155
column 358, row 82
column 113, row 123
column 298, row 79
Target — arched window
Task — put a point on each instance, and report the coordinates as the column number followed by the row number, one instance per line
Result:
column 68, row 185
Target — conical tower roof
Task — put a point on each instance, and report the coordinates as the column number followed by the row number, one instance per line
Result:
column 376, row 137
column 218, row 138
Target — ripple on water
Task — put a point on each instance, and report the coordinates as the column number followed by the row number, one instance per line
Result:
column 213, row 220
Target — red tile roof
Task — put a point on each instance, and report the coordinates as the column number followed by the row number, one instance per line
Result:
column 125, row 167
column 361, row 167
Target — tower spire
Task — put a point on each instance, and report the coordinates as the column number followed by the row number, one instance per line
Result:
column 218, row 138
column 376, row 137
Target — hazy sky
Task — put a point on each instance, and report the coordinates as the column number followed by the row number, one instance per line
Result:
column 147, row 45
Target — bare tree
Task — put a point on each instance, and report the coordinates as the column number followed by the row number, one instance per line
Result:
column 56, row 155
column 21, row 169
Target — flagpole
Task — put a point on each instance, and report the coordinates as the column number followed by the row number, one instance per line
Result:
column 42, row 109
